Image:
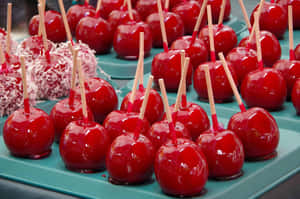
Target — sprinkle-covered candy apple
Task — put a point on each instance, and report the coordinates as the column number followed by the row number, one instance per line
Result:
column 296, row 96
column 77, row 12
column 290, row 69
column 176, row 162
column 222, row 148
column 273, row 18
column 256, row 127
column 216, row 6
column 28, row 132
column 221, row 86
column 131, row 150
column 69, row 109
column 194, row 47
column 84, row 144
column 264, row 87
column 174, row 26
column 95, row 32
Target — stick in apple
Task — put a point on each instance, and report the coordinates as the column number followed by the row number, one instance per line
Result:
column 232, row 83
column 73, row 80
column 24, row 81
column 180, row 100
column 98, row 8
column 246, row 18
column 167, row 109
column 211, row 34
column 258, row 45
column 44, row 34
column 199, row 20
column 167, row 3
column 86, row 2
column 82, row 91
column 256, row 24
column 130, row 9
column 66, row 24
column 2, row 56
column 291, row 37
column 162, row 26
column 221, row 15
column 8, row 27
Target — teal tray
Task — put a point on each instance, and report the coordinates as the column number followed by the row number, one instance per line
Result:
column 50, row 173
column 125, row 69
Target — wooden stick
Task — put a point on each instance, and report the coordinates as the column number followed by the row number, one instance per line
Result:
column 44, row 34
column 256, row 22
column 167, row 3
column 130, row 9
column 221, row 15
column 199, row 20
column 82, row 91
column 134, row 86
column 232, row 83
column 211, row 34
column 146, row 97
column 86, row 2
column 162, row 26
column 64, row 17
column 24, row 81
column 211, row 99
column 179, row 91
column 141, row 59
column 73, row 80
column 2, row 55
column 98, row 8
column 291, row 36
column 246, row 18
column 258, row 45
column 8, row 27
column 167, row 109
column 181, row 88
column 40, row 24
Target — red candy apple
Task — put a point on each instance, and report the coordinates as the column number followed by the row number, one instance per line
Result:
column 118, row 17
column 189, row 11
column 216, row 8
column 63, row 113
column 258, row 131
column 83, row 146
column 181, row 168
column 296, row 7
column 297, row 52
column 243, row 60
column 264, row 88
column 101, row 97
column 225, row 38
column 120, row 122
column 159, row 133
column 167, row 65
column 221, row 87
column 197, row 51
column 126, row 39
column 146, row 7
column 173, row 25
column 130, row 159
column 270, row 46
column 224, row 153
column 96, row 33
column 77, row 12
column 54, row 26
column 296, row 96
column 107, row 6
column 29, row 135
column 273, row 18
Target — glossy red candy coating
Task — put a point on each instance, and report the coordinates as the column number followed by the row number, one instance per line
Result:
column 181, row 169
column 223, row 151
column 159, row 133
column 33, row 27
column 296, row 7
column 29, row 136
column 243, row 60
column 126, row 39
column 107, row 6
column 167, row 65
column 118, row 17
column 77, row 12
column 264, row 88
column 220, row 84
column 273, row 18
column 130, row 160
column 296, row 96
column 258, row 131
column 101, row 97
column 96, row 33
column 154, row 109
column 193, row 117
column 297, row 52
column 290, row 71
column 189, row 11
column 83, row 146
column 174, row 27
column 225, row 38
column 197, row 51
column 146, row 7
column 121, row 122
column 62, row 114
column 270, row 47
column 216, row 8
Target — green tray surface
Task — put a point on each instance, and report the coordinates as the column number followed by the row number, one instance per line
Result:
column 125, row 69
